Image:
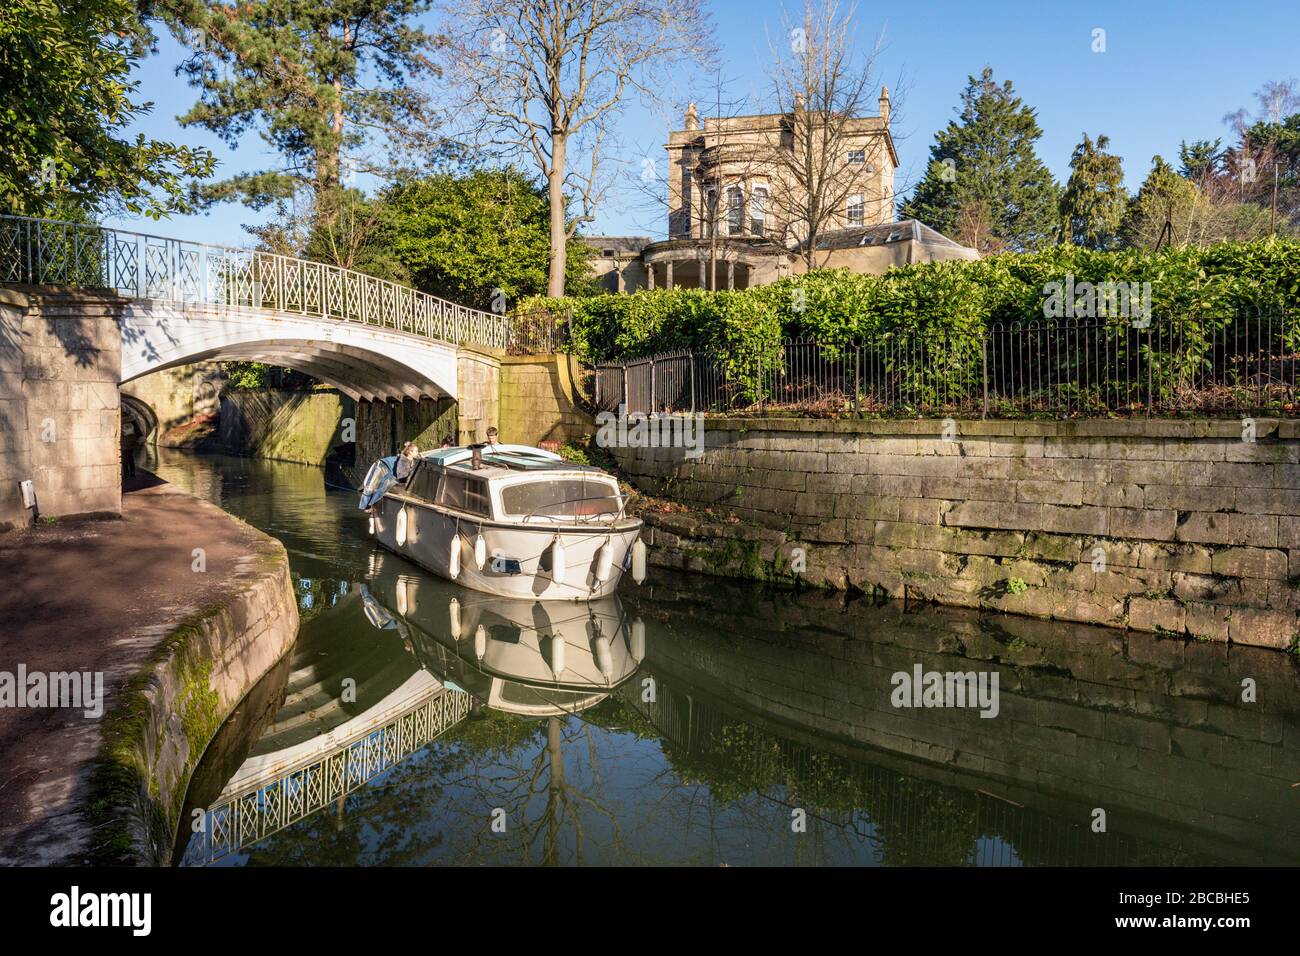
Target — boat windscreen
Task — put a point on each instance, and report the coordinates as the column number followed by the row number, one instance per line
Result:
column 566, row 497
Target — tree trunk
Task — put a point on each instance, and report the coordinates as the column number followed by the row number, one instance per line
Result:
column 559, row 235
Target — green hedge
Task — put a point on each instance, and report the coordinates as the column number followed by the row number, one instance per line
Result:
column 1200, row 286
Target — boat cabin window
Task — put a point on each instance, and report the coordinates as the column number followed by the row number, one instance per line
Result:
column 424, row 483
column 465, row 493
column 560, row 497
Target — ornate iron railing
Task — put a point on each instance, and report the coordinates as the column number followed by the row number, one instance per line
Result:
column 143, row 266
column 267, row 806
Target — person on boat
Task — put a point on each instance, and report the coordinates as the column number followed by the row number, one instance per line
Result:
column 406, row 461
column 493, row 438
column 446, row 443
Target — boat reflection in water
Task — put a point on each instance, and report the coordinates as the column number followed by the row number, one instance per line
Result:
column 358, row 701
column 526, row 657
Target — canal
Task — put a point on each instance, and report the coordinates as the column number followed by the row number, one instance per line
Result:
column 693, row 720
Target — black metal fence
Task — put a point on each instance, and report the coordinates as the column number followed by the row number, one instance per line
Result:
column 540, row 332
column 1059, row 367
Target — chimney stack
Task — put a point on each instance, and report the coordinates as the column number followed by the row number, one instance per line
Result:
column 884, row 104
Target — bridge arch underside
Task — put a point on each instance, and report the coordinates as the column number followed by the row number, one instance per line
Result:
column 359, row 373
column 145, row 418
column 365, row 362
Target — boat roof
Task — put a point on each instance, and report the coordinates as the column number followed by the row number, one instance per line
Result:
column 504, row 459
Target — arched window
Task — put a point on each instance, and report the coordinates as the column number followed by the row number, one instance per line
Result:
column 735, row 211
column 855, row 210
column 758, row 211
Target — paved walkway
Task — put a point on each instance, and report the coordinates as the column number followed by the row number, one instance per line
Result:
column 93, row 595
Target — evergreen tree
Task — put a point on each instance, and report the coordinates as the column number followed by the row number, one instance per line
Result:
column 1201, row 159
column 1161, row 212
column 319, row 79
column 985, row 185
column 1093, row 203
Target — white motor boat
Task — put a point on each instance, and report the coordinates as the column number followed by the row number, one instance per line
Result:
column 510, row 520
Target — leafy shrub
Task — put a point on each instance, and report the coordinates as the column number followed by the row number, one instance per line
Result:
column 937, row 313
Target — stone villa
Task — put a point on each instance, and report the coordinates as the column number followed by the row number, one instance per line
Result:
column 728, row 201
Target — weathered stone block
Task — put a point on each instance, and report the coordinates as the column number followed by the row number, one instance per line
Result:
column 1250, row 563
column 1219, row 528
column 1082, row 520
column 1145, row 614
column 1050, row 492
column 1142, row 523
column 991, row 514
column 1262, row 628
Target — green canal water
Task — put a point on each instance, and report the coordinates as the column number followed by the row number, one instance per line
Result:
column 700, row 721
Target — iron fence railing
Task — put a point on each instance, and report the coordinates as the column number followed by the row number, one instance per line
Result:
column 538, row 332
column 142, row 266
column 1059, row 367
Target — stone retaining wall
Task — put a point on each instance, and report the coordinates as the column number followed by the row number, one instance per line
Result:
column 155, row 737
column 538, row 401
column 60, row 358
column 302, row 427
column 1179, row 527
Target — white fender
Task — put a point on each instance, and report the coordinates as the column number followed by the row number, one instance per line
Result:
column 604, row 658
column 557, row 561
column 372, row 524
column 402, row 603
column 558, row 647
column 636, row 642
column 453, row 612
column 638, row 561
column 480, row 642
column 400, row 533
column 480, row 552
column 453, row 558
column 605, row 561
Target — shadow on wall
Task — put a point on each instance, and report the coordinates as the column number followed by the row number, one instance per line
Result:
column 311, row 428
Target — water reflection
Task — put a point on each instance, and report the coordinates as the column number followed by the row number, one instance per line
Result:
column 531, row 658
column 698, row 720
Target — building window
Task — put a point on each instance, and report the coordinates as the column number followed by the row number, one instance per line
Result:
column 855, row 211
column 857, row 156
column 758, row 211
column 735, row 211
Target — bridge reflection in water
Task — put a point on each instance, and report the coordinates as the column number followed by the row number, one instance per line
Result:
column 446, row 650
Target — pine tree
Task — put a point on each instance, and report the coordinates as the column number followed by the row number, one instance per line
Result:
column 318, row 79
column 1094, row 200
column 985, row 185
column 1161, row 212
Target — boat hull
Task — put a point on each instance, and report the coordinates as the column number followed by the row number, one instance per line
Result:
column 525, row 554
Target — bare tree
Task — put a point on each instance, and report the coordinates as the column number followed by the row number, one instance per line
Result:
column 826, row 88
column 544, row 79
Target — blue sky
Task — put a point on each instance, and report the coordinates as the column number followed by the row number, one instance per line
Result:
column 1170, row 72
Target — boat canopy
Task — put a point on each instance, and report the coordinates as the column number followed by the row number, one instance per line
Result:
column 515, row 457
column 381, row 476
